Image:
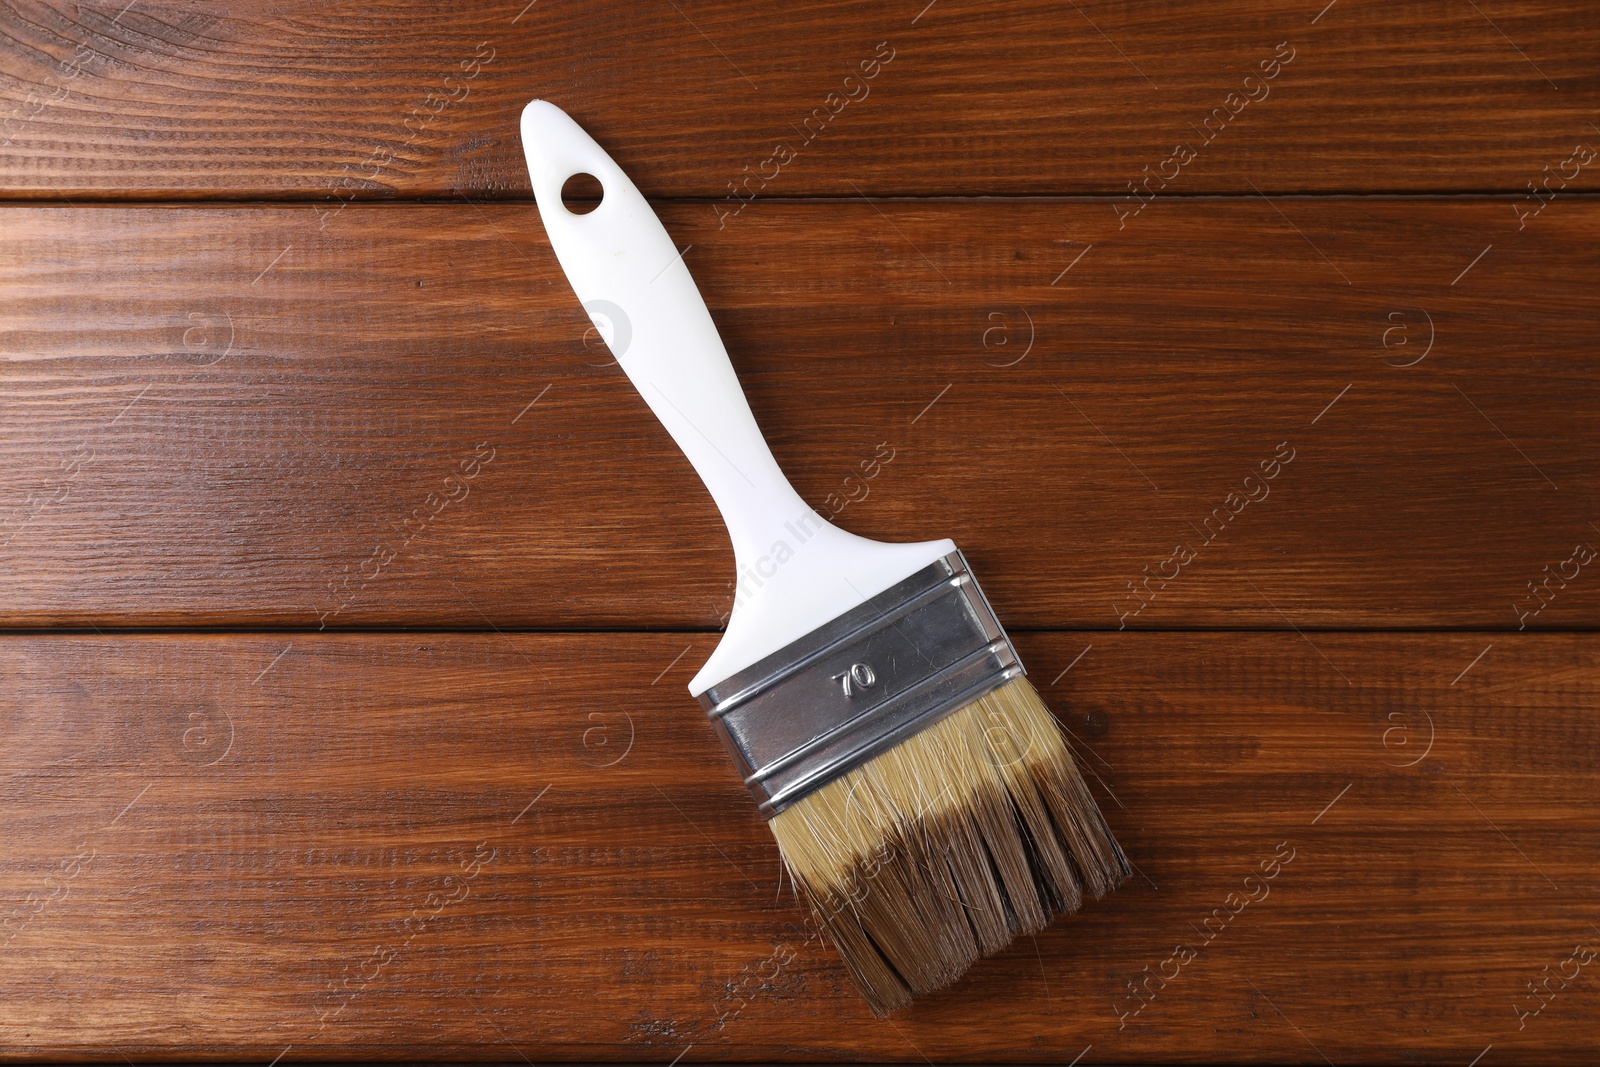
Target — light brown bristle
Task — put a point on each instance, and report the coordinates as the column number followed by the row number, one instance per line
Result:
column 944, row 848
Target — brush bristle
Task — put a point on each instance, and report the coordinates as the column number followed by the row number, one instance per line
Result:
column 944, row 848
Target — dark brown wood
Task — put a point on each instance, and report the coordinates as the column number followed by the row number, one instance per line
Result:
column 1141, row 411
column 233, row 417
column 253, row 845
column 316, row 99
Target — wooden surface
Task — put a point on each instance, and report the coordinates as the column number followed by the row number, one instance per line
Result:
column 314, row 98
column 348, row 592
column 251, row 855
column 263, row 439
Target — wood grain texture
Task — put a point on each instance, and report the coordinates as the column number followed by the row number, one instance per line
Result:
column 234, row 417
column 242, row 844
column 318, row 99
column 298, row 408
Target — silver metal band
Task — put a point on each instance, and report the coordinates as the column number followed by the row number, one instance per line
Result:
column 866, row 681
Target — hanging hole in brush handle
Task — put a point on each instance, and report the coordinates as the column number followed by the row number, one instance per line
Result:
column 581, row 193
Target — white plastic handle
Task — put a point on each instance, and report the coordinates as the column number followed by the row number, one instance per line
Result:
column 625, row 269
column 796, row 571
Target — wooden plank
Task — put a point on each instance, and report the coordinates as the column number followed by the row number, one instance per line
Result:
column 322, row 100
column 247, row 844
column 230, row 417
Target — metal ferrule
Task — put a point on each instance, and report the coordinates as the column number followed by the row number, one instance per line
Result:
column 801, row 717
